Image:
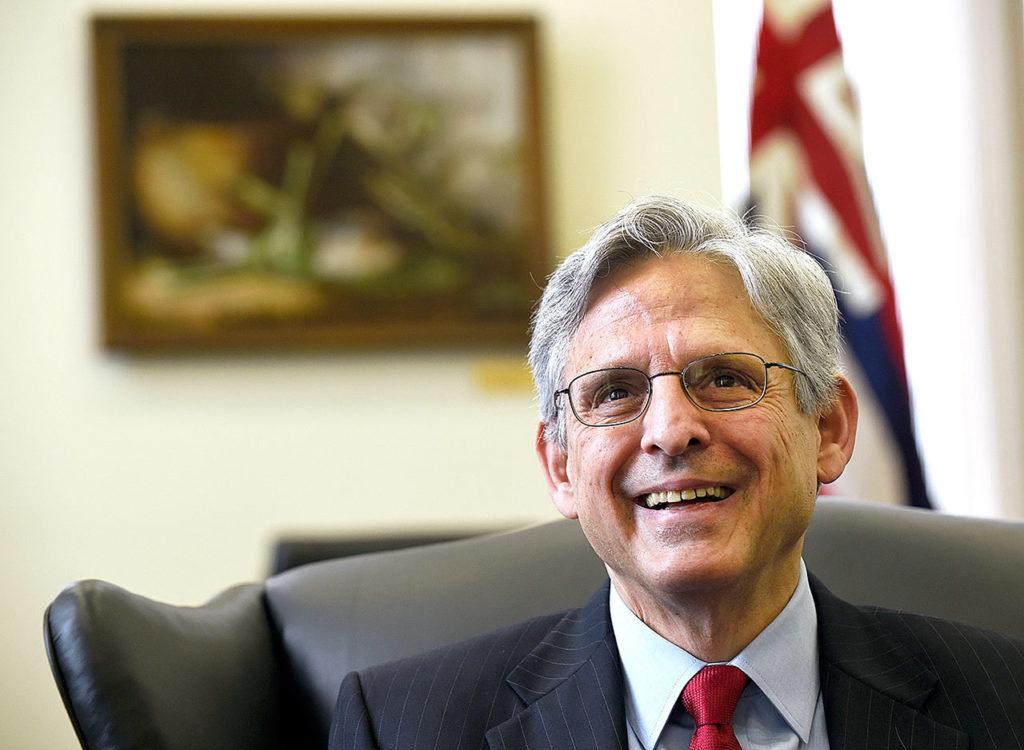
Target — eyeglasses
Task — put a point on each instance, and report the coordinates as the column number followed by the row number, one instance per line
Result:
column 721, row 382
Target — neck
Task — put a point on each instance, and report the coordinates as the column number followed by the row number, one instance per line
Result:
column 714, row 624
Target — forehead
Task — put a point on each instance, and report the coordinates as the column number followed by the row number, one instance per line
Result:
column 667, row 311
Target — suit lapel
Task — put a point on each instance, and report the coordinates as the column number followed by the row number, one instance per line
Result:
column 874, row 690
column 571, row 684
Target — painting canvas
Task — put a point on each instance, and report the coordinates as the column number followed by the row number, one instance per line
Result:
column 317, row 182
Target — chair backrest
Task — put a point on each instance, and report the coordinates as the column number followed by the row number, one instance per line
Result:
column 273, row 684
column 340, row 615
column 295, row 551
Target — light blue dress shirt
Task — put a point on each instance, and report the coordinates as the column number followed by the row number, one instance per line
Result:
column 780, row 708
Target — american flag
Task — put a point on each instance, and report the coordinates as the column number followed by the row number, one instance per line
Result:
column 807, row 174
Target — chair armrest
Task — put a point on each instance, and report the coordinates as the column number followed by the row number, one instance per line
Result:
column 135, row 673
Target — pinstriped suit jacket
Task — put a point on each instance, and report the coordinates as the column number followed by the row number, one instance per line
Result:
column 890, row 680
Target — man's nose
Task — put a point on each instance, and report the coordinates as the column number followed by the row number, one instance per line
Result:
column 672, row 423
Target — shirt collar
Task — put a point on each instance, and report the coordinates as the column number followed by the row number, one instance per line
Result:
column 782, row 661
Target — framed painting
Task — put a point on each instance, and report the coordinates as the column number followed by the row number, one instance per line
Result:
column 317, row 182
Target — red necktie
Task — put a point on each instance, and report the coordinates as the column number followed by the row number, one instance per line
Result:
column 710, row 698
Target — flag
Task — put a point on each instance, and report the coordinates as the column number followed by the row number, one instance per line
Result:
column 807, row 174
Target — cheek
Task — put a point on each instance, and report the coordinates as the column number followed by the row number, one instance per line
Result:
column 596, row 461
column 798, row 484
column 594, row 457
column 783, row 448
column 791, row 425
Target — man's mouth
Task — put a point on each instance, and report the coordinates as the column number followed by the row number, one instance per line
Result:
column 682, row 498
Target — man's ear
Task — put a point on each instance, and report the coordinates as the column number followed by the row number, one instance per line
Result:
column 837, row 432
column 556, row 472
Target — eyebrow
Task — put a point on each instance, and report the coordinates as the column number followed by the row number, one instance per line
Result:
column 622, row 362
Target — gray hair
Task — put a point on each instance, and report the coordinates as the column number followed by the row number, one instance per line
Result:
column 786, row 287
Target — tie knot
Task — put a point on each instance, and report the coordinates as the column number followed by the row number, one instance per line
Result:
column 711, row 696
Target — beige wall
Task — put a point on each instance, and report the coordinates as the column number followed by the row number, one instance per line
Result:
column 172, row 476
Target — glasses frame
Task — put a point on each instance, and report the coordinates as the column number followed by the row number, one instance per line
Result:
column 682, row 381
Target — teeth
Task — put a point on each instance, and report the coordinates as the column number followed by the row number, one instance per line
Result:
column 657, row 498
column 661, row 498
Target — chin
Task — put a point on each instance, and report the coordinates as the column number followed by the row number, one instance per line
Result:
column 685, row 578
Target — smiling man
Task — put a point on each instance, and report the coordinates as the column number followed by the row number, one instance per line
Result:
column 691, row 407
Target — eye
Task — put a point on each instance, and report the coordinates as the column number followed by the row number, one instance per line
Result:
column 615, row 392
column 608, row 396
column 719, row 378
column 730, row 379
column 724, row 380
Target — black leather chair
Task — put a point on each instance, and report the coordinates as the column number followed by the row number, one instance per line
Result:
column 259, row 665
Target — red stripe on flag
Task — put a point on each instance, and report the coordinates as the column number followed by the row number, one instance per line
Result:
column 779, row 65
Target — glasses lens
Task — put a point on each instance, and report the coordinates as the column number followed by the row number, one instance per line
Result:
column 725, row 381
column 609, row 396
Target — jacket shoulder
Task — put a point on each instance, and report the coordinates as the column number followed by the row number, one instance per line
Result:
column 953, row 648
column 979, row 686
column 448, row 696
column 963, row 677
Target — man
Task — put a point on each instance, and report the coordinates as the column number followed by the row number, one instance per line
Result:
column 691, row 407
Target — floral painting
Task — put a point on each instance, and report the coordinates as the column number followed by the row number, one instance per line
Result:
column 317, row 182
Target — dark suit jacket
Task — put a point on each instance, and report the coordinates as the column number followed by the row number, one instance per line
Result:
column 890, row 680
